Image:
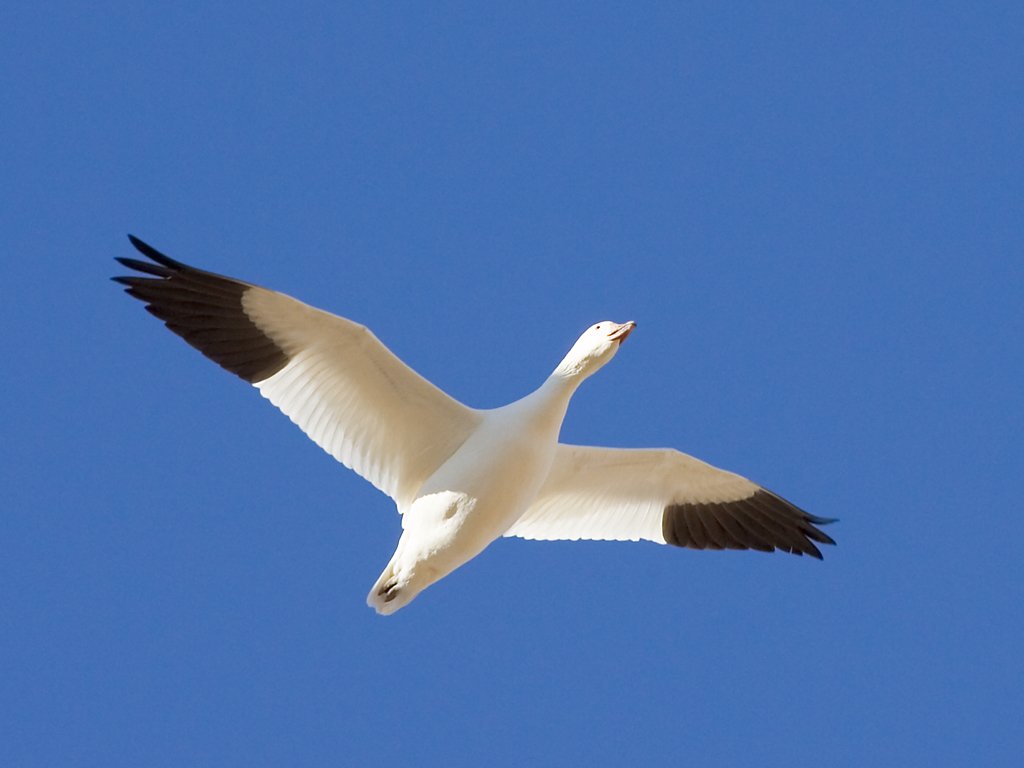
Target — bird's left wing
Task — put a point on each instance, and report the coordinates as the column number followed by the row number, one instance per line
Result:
column 331, row 376
column 665, row 496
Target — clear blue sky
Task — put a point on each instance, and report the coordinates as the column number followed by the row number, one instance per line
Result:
column 813, row 213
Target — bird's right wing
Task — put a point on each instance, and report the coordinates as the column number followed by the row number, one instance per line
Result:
column 332, row 377
column 665, row 496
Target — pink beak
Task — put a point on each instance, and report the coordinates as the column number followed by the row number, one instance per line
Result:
column 622, row 331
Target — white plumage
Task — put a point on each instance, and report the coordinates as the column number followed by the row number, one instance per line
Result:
column 461, row 477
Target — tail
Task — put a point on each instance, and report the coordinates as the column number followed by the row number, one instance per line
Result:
column 391, row 592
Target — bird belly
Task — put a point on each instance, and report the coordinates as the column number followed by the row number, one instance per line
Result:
column 469, row 502
column 451, row 522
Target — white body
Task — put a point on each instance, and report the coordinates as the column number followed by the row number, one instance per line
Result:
column 476, row 495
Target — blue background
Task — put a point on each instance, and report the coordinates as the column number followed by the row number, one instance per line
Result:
column 813, row 211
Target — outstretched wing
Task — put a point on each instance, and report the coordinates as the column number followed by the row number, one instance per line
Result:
column 332, row 377
column 665, row 496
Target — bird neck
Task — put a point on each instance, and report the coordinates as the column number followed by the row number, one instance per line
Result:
column 555, row 393
column 573, row 369
column 545, row 407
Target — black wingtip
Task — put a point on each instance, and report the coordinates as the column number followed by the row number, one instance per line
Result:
column 146, row 267
column 152, row 253
column 124, row 261
column 139, row 244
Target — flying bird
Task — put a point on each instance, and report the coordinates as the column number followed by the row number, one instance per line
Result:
column 460, row 477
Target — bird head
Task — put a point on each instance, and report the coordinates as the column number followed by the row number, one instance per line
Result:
column 594, row 348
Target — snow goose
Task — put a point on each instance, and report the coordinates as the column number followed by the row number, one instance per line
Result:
column 460, row 477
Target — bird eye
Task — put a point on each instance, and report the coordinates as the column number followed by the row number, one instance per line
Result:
column 597, row 327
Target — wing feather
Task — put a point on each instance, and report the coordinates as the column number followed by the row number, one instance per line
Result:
column 665, row 496
column 332, row 377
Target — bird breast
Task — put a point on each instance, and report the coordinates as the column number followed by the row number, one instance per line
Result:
column 494, row 476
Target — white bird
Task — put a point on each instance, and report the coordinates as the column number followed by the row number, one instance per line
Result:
column 460, row 477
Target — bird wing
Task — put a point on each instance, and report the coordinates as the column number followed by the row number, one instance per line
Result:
column 329, row 375
column 665, row 496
